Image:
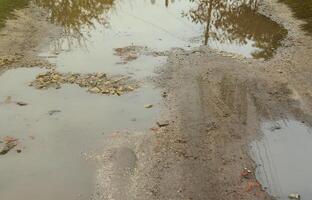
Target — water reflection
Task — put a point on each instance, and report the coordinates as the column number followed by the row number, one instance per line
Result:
column 167, row 2
column 77, row 15
column 220, row 22
column 237, row 22
column 281, row 154
column 302, row 10
column 7, row 7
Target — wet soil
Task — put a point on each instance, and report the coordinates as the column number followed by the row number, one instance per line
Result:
column 25, row 33
column 114, row 147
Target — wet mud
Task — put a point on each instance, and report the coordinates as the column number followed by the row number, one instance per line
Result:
column 210, row 73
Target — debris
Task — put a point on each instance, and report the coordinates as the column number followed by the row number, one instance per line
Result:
column 21, row 103
column 9, row 59
column 128, row 53
column 163, row 123
column 97, row 83
column 148, row 106
column 155, row 129
column 181, row 141
column 18, row 150
column 52, row 112
column 246, row 173
column 7, row 144
column 226, row 115
column 251, row 185
column 8, row 100
column 132, row 52
column 294, row 196
column 275, row 127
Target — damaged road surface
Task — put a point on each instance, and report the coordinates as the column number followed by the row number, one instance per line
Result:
column 101, row 100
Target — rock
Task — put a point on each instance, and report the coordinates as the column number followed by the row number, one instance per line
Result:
column 163, row 123
column 97, row 83
column 148, row 106
column 294, row 196
column 94, row 90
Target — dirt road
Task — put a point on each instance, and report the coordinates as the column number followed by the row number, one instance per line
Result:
column 23, row 37
column 215, row 106
column 214, row 103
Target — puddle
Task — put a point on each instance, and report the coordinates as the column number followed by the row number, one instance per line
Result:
column 284, row 165
column 102, row 25
column 8, row 6
column 58, row 125
column 51, row 165
column 302, row 10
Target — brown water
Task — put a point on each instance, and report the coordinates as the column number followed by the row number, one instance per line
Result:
column 284, row 162
column 303, row 10
column 51, row 165
column 234, row 27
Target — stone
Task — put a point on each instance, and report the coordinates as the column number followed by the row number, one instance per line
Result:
column 294, row 196
column 163, row 123
column 148, row 106
column 95, row 90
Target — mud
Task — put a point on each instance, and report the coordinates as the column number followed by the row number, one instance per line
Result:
column 23, row 37
column 214, row 101
column 216, row 105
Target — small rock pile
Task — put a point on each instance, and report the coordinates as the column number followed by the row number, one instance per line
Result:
column 97, row 83
column 9, row 59
column 128, row 53
column 131, row 53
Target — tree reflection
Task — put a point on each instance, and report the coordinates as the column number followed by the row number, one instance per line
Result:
column 8, row 6
column 76, row 15
column 237, row 22
column 226, row 21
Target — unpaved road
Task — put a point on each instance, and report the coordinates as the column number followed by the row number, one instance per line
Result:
column 214, row 103
column 23, row 37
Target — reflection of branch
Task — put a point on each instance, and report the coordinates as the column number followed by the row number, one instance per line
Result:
column 76, row 15
column 237, row 22
column 208, row 22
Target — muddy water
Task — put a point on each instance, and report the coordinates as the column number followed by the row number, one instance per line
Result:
column 51, row 165
column 58, row 126
column 302, row 10
column 282, row 155
column 224, row 25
